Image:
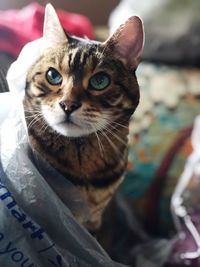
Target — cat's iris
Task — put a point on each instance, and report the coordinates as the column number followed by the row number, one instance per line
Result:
column 100, row 81
column 53, row 77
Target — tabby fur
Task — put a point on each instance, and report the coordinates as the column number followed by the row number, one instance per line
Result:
column 93, row 159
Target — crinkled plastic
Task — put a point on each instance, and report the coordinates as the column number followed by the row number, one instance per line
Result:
column 37, row 227
column 185, row 208
column 144, row 250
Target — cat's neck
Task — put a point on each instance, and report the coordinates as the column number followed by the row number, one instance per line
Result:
column 97, row 158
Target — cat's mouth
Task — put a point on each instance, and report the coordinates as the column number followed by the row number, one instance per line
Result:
column 71, row 126
column 69, row 122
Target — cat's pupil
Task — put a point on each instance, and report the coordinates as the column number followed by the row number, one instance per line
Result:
column 100, row 80
column 53, row 77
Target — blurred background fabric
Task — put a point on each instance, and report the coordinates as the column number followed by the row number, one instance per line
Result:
column 28, row 26
column 172, row 29
column 96, row 11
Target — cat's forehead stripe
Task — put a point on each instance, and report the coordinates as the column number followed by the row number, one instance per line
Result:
column 75, row 63
column 79, row 57
column 72, row 54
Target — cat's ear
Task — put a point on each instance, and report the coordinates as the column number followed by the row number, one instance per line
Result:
column 53, row 32
column 127, row 41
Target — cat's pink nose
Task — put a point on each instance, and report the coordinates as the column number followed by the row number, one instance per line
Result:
column 69, row 106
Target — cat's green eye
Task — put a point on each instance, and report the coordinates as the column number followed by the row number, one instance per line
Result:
column 100, row 81
column 54, row 77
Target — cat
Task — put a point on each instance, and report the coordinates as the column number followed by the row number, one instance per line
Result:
column 79, row 97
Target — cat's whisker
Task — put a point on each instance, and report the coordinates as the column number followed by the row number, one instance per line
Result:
column 108, row 123
column 36, row 115
column 36, row 119
column 118, row 124
column 114, row 127
column 96, row 132
column 103, row 128
column 32, row 110
column 44, row 126
column 101, row 148
column 28, row 117
column 113, row 146
column 112, row 133
column 31, row 124
column 121, row 125
column 107, row 118
column 33, row 115
column 116, row 136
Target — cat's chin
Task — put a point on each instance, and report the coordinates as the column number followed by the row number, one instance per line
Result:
column 71, row 130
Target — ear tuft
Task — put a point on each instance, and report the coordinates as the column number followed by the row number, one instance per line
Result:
column 53, row 32
column 127, row 42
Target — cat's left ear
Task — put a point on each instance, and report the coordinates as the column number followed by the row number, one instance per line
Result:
column 53, row 32
column 127, row 42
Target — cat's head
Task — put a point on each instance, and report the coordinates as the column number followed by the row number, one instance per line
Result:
column 79, row 86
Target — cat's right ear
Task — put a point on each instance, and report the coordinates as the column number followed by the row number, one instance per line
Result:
column 53, row 32
column 127, row 42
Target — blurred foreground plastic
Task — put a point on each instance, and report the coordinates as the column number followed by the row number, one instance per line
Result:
column 37, row 227
column 186, row 209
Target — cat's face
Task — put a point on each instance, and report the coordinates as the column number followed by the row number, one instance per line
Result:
column 79, row 86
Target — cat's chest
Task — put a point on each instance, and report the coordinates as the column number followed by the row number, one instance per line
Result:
column 80, row 160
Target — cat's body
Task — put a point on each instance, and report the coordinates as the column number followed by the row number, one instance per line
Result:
column 79, row 98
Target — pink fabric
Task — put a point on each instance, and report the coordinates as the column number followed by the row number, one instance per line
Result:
column 17, row 27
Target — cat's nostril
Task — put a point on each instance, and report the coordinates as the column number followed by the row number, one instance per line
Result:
column 62, row 104
column 75, row 105
column 70, row 106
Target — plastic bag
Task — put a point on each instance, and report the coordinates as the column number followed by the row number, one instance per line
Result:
column 36, row 227
column 185, row 208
